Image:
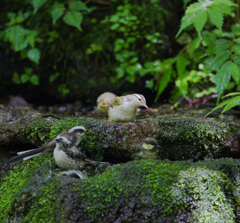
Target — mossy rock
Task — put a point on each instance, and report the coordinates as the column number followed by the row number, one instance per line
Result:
column 180, row 138
column 138, row 191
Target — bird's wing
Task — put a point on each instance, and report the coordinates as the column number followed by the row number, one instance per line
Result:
column 75, row 153
column 117, row 101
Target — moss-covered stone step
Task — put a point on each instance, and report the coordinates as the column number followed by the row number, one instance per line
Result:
column 137, row 191
column 179, row 138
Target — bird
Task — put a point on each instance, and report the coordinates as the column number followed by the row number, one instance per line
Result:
column 74, row 173
column 103, row 102
column 74, row 135
column 123, row 108
column 148, row 148
column 69, row 157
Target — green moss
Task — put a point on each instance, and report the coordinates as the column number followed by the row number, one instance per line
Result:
column 39, row 130
column 194, row 138
column 22, row 181
column 151, row 191
column 44, row 206
column 164, row 190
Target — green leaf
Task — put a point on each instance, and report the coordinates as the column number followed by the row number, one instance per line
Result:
column 34, row 55
column 114, row 18
column 57, row 12
column 114, row 26
column 194, row 45
column 78, row 5
column 17, row 36
column 195, row 14
column 236, row 59
column 164, row 82
column 63, row 89
column 25, row 78
column 221, row 45
column 182, row 63
column 231, row 103
column 216, row 17
column 16, row 78
column 53, row 77
column 73, row 18
column 235, row 72
column 231, row 94
column 34, row 79
column 223, row 77
column 217, row 107
column 150, row 84
column 37, row 4
column 200, row 20
column 214, row 63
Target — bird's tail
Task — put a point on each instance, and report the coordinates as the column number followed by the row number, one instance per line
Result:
column 27, row 154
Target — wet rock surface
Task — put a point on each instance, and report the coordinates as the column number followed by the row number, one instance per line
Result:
column 149, row 190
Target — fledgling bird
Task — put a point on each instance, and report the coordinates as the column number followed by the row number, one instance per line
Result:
column 69, row 157
column 123, row 108
column 74, row 135
column 148, row 148
column 103, row 102
column 74, row 173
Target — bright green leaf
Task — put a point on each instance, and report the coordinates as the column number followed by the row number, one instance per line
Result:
column 63, row 89
column 25, row 78
column 221, row 45
column 194, row 45
column 232, row 94
column 37, row 4
column 78, row 5
column 17, row 36
column 216, row 17
column 235, row 72
column 73, row 18
column 223, row 77
column 200, row 20
column 57, row 12
column 233, row 102
column 215, row 62
column 34, row 79
column 236, row 49
column 114, row 18
column 182, row 63
column 114, row 26
column 34, row 55
column 164, row 82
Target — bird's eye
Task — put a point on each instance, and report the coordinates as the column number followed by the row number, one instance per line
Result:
column 65, row 145
column 139, row 99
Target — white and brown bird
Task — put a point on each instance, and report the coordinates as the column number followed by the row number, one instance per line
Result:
column 123, row 108
column 103, row 102
column 69, row 157
column 74, row 135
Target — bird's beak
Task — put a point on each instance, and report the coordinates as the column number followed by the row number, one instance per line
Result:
column 144, row 105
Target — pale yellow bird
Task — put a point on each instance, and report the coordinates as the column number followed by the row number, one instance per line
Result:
column 123, row 108
column 103, row 102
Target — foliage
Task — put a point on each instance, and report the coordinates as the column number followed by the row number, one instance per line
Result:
column 220, row 48
column 76, row 46
column 230, row 103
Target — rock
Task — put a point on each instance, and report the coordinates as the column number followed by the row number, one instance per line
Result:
column 138, row 191
column 179, row 138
